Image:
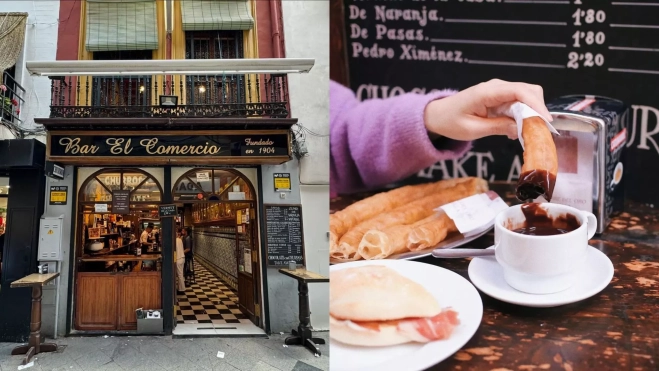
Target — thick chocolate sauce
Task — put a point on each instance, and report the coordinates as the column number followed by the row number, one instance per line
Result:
column 534, row 183
column 539, row 223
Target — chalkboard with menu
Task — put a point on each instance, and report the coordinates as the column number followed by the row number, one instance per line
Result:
column 283, row 236
column 605, row 48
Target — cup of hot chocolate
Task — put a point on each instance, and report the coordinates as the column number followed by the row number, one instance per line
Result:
column 541, row 246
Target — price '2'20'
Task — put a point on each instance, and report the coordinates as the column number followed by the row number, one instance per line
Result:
column 588, row 60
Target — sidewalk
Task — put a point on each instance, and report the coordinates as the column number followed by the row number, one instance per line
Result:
column 147, row 353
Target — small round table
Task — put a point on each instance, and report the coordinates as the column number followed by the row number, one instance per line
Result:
column 303, row 334
column 34, row 346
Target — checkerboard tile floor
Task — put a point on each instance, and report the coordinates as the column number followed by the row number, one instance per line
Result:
column 209, row 300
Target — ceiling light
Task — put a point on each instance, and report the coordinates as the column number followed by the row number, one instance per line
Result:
column 202, row 89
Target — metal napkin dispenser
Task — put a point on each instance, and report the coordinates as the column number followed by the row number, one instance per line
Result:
column 591, row 152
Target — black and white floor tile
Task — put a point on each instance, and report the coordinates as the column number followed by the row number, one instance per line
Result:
column 209, row 300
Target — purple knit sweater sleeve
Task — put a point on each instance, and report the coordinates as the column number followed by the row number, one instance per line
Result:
column 380, row 141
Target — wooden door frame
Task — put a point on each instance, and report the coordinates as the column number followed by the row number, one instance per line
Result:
column 255, row 206
column 254, row 275
column 77, row 208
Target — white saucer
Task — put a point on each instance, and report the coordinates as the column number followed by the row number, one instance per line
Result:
column 449, row 288
column 487, row 275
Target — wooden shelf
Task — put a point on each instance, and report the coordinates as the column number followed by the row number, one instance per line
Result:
column 120, row 258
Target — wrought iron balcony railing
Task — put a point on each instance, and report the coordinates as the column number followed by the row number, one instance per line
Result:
column 11, row 98
column 215, row 96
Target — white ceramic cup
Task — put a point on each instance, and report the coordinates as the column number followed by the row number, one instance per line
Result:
column 541, row 264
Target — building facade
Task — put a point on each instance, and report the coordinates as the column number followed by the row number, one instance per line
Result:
column 174, row 114
column 28, row 30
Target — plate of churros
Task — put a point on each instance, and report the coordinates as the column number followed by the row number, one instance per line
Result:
column 405, row 223
column 393, row 315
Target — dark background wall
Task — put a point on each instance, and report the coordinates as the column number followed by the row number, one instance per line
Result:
column 567, row 47
column 24, row 161
column 25, row 206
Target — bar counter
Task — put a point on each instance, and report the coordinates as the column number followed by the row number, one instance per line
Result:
column 617, row 329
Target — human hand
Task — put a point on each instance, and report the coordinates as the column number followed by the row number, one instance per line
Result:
column 464, row 116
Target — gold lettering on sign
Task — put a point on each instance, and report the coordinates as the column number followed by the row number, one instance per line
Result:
column 115, row 146
column 72, row 146
column 259, row 142
column 151, row 146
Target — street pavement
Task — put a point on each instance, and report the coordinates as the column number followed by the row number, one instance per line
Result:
column 155, row 353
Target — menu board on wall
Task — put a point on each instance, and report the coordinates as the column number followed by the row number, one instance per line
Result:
column 121, row 202
column 606, row 48
column 283, row 235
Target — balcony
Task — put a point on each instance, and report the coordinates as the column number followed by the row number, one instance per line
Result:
column 11, row 98
column 238, row 88
column 215, row 96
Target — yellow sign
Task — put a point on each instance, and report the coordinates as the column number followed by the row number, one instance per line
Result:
column 282, row 182
column 50, row 231
column 57, row 196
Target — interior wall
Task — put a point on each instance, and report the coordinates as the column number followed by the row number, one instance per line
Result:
column 219, row 250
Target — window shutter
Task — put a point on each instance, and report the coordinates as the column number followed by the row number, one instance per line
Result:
column 216, row 15
column 121, row 25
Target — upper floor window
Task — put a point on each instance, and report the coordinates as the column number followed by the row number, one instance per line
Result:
column 213, row 44
column 122, row 90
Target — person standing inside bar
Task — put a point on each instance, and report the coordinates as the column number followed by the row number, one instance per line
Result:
column 180, row 262
column 187, row 248
column 145, row 238
column 146, row 242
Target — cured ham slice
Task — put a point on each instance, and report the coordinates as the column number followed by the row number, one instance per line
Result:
column 438, row 327
column 421, row 330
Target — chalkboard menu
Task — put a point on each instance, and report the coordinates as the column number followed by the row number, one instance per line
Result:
column 121, row 202
column 605, row 48
column 284, row 234
column 167, row 211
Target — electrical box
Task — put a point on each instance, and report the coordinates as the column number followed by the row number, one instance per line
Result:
column 50, row 239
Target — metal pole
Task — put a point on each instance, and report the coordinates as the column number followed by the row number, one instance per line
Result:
column 56, row 300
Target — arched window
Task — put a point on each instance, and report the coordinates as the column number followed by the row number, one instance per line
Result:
column 213, row 185
column 144, row 190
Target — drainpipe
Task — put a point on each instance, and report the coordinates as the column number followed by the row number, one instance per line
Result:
column 169, row 26
column 275, row 22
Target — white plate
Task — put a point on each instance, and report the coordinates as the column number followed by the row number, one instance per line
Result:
column 450, row 289
column 486, row 274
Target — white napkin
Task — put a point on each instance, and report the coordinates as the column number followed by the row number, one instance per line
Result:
column 519, row 111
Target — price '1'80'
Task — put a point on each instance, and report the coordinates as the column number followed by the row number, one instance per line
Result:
column 589, row 37
column 589, row 16
column 589, row 60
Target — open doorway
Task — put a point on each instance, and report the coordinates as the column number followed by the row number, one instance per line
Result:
column 217, row 218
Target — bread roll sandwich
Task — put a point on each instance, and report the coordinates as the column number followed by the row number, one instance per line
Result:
column 373, row 305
